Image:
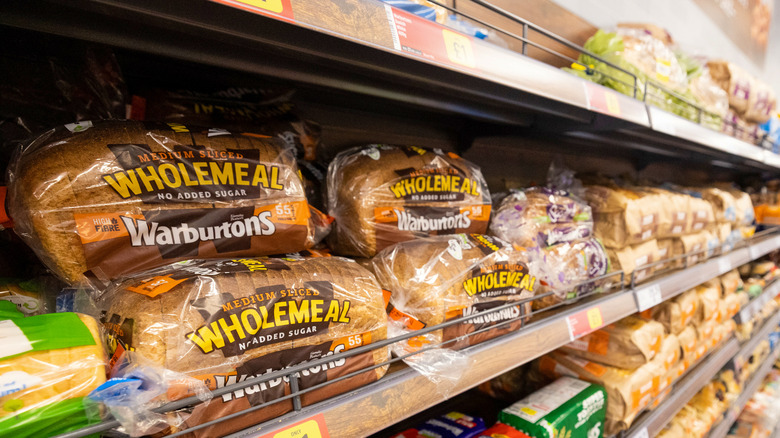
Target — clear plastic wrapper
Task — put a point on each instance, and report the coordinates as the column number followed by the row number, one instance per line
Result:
column 439, row 278
column 628, row 343
column 566, row 268
column 381, row 195
column 35, row 296
column 712, row 97
column 223, row 321
column 116, row 197
column 624, row 216
column 138, row 387
column 654, row 58
column 539, row 216
column 48, row 365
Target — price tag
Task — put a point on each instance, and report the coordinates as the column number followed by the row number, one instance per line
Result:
column 642, row 433
column 602, row 99
column 459, row 48
column 273, row 8
column 648, row 297
column 754, row 252
column 313, row 427
column 584, row 322
column 724, row 265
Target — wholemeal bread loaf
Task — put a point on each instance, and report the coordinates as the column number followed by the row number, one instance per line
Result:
column 222, row 321
column 539, row 216
column 381, row 195
column 115, row 197
column 439, row 278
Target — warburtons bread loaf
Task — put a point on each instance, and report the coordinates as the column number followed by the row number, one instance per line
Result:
column 115, row 197
column 439, row 278
column 381, row 195
column 48, row 365
column 222, row 321
column 539, row 216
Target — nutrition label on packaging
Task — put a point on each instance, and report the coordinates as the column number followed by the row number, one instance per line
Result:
column 548, row 399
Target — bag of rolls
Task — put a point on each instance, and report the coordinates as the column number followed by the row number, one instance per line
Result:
column 381, row 195
column 117, row 197
column 628, row 343
column 539, row 216
column 439, row 278
column 48, row 365
column 223, row 321
column 566, row 268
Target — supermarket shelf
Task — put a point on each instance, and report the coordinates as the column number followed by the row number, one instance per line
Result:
column 366, row 48
column 651, row 423
column 755, row 305
column 722, row 428
column 746, row 350
column 404, row 393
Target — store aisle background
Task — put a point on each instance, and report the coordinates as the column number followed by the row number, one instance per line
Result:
column 690, row 26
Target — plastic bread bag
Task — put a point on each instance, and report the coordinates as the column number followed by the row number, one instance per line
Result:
column 628, row 392
column 623, row 216
column 566, row 268
column 628, row 343
column 712, row 97
column 137, row 387
column 227, row 320
column 737, row 83
column 34, row 296
column 381, row 195
column 440, row 278
column 654, row 58
column 762, row 103
column 539, row 216
column 48, row 365
column 723, row 204
column 633, row 259
column 117, row 197
column 677, row 313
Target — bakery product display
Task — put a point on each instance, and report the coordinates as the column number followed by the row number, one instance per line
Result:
column 222, row 321
column 438, row 278
column 115, row 197
column 381, row 195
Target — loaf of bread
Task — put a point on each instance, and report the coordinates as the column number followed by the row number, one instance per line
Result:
column 762, row 103
column 623, row 216
column 628, row 392
column 677, row 313
column 701, row 214
column 628, row 343
column 566, row 268
column 633, row 259
column 117, row 197
column 731, row 282
column 439, row 278
column 674, row 209
column 723, row 204
column 539, row 216
column 381, row 195
column 222, row 321
column 48, row 364
column 734, row 81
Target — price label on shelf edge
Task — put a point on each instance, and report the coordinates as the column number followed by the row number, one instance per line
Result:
column 648, row 297
column 602, row 99
column 724, row 264
column 754, row 252
column 281, row 9
column 313, row 427
column 584, row 322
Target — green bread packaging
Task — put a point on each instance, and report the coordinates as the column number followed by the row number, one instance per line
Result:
column 566, row 408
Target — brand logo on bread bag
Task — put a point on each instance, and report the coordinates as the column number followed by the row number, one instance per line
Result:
column 191, row 174
column 491, row 318
column 434, row 184
column 499, row 279
column 272, row 314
